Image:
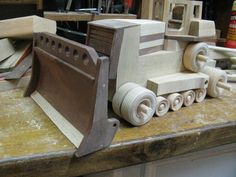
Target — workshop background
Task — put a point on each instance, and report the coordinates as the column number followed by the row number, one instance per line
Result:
column 216, row 10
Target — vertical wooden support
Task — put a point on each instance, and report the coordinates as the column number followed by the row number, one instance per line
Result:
column 147, row 9
column 39, row 4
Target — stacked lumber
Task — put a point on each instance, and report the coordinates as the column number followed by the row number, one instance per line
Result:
column 16, row 40
column 24, row 27
column 22, row 49
column 6, row 49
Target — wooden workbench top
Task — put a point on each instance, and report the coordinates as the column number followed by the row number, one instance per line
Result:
column 83, row 16
column 31, row 144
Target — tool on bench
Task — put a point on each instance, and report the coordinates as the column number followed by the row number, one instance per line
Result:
column 70, row 83
column 88, row 10
column 92, row 10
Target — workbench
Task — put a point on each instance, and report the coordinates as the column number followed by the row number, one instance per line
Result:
column 31, row 145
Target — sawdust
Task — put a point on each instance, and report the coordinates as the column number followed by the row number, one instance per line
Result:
column 25, row 129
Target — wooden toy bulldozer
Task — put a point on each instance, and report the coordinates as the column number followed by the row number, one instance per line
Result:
column 70, row 83
column 149, row 71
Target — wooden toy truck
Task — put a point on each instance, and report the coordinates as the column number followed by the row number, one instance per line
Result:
column 157, row 66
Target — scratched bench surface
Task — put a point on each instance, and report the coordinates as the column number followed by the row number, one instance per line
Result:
column 26, row 131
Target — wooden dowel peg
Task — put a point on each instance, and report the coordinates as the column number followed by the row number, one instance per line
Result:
column 202, row 57
column 224, row 86
column 144, row 108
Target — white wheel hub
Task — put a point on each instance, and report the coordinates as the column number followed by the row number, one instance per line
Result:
column 119, row 96
column 176, row 101
column 189, row 97
column 137, row 106
column 193, row 56
column 162, row 107
column 200, row 95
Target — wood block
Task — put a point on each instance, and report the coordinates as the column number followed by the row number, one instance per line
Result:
column 177, row 83
column 202, row 28
column 167, row 62
column 20, row 69
column 127, row 70
column 24, row 27
column 6, row 49
column 151, row 35
column 148, row 27
column 174, row 45
column 23, row 48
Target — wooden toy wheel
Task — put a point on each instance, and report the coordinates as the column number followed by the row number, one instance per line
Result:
column 189, row 97
column 200, row 95
column 119, row 96
column 217, row 81
column 163, row 106
column 195, row 56
column 138, row 106
column 176, row 101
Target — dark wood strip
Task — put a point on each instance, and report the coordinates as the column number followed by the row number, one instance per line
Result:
column 102, row 31
column 152, row 37
column 151, row 50
column 115, row 53
column 100, row 46
column 102, row 38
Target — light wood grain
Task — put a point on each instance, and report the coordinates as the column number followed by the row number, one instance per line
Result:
column 147, row 9
column 22, row 50
column 177, row 83
column 202, row 28
column 174, row 45
column 74, row 16
column 65, row 126
column 24, row 27
column 6, row 49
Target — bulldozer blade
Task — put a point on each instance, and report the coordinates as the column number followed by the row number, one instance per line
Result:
column 70, row 83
